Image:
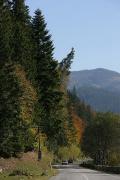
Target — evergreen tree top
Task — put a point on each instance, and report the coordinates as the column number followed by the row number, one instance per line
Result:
column 39, row 21
column 20, row 10
column 65, row 64
column 38, row 12
column 42, row 36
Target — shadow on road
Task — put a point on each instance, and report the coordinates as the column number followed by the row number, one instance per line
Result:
column 87, row 172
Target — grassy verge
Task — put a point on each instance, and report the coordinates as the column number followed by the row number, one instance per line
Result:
column 26, row 168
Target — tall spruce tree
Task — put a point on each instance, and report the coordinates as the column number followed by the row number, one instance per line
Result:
column 5, row 32
column 22, row 36
column 47, row 79
column 64, row 68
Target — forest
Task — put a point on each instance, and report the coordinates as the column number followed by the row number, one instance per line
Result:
column 33, row 93
column 35, row 103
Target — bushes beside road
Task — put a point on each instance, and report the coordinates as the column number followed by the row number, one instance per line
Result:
column 109, row 169
column 27, row 167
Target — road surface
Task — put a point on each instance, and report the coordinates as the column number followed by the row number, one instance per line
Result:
column 83, row 174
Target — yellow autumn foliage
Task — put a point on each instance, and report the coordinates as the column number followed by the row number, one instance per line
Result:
column 28, row 97
column 79, row 125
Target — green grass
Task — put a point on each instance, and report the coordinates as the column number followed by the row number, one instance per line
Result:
column 5, row 176
column 27, row 168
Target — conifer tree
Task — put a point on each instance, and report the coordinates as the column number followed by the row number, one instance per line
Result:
column 22, row 40
column 65, row 64
column 17, row 98
column 64, row 68
column 5, row 31
column 47, row 79
column 10, row 137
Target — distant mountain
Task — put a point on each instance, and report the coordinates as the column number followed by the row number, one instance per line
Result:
column 99, row 87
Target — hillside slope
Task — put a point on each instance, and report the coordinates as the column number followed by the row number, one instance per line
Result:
column 99, row 87
column 100, row 78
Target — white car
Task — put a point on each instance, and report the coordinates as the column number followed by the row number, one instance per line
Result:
column 65, row 162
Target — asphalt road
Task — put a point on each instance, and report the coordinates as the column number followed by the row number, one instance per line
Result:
column 83, row 174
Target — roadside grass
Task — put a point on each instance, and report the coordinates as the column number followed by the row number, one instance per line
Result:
column 27, row 167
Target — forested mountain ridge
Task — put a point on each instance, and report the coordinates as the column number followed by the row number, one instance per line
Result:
column 100, row 99
column 99, row 87
column 100, row 78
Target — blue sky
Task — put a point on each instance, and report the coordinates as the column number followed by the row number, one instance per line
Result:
column 92, row 27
